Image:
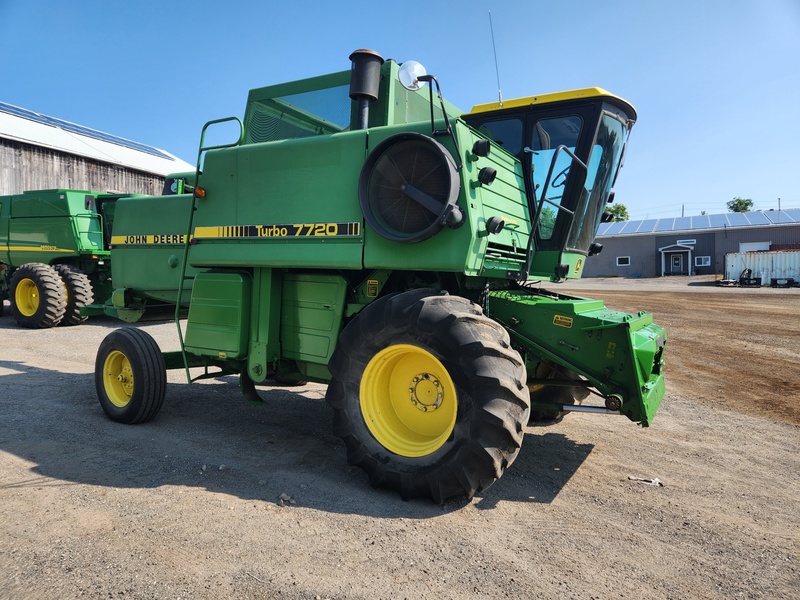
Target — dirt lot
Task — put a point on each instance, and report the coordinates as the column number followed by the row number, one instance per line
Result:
column 189, row 505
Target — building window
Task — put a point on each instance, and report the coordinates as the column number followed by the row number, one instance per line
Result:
column 753, row 246
column 623, row 261
column 702, row 261
column 686, row 242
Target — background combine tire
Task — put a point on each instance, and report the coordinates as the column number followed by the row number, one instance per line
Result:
column 78, row 293
column 428, row 395
column 130, row 376
column 37, row 296
column 554, row 393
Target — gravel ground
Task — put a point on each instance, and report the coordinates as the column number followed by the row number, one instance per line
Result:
column 218, row 499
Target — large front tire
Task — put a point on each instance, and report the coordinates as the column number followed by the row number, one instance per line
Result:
column 130, row 376
column 428, row 395
column 38, row 299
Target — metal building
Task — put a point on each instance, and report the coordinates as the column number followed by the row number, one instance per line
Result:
column 39, row 152
column 689, row 245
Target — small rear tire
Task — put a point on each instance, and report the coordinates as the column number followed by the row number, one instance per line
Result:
column 130, row 376
column 38, row 299
column 78, row 293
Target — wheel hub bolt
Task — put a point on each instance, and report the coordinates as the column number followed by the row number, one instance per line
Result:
column 426, row 392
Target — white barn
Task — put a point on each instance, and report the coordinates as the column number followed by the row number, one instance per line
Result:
column 40, row 152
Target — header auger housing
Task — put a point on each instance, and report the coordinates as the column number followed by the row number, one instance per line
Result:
column 360, row 231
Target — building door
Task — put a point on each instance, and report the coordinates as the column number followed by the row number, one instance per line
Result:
column 677, row 263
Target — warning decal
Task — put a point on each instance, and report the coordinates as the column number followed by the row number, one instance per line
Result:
column 562, row 321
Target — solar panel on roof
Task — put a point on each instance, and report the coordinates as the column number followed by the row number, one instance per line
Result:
column 737, row 219
column 699, row 222
column 718, row 220
column 664, row 225
column 615, row 227
column 682, row 223
column 791, row 215
column 630, row 227
column 757, row 218
column 80, row 130
column 647, row 226
column 603, row 228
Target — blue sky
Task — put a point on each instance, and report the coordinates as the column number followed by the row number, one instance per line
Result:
column 716, row 82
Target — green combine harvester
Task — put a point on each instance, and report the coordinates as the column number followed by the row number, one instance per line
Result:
column 358, row 230
column 55, row 265
column 54, row 256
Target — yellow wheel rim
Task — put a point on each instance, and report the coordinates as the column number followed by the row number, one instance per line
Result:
column 408, row 400
column 118, row 378
column 545, row 369
column 27, row 298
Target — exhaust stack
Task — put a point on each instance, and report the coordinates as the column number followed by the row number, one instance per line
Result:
column 365, row 78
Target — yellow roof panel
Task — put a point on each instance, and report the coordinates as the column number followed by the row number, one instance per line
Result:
column 592, row 92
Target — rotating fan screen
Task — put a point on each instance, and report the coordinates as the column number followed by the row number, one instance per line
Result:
column 407, row 185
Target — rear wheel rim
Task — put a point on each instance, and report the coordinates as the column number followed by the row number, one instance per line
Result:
column 408, row 400
column 27, row 297
column 118, row 379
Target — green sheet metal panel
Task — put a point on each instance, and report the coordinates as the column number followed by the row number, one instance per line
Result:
column 311, row 316
column 48, row 225
column 148, row 244
column 219, row 313
column 292, row 204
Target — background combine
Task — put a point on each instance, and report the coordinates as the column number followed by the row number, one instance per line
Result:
column 54, row 255
column 358, row 230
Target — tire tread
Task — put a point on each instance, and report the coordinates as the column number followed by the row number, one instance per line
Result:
column 490, row 437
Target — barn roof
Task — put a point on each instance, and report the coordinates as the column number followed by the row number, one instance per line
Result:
column 27, row 126
column 758, row 218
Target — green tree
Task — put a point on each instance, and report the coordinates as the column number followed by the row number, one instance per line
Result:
column 620, row 212
column 740, row 205
column 547, row 220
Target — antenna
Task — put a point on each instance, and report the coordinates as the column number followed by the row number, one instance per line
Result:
column 496, row 70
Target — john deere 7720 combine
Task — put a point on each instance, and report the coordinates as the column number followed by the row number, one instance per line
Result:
column 362, row 232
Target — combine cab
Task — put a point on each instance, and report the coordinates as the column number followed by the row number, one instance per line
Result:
column 360, row 231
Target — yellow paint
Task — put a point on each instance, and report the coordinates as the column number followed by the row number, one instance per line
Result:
column 408, row 400
column 118, row 379
column 41, row 248
column 562, row 321
column 593, row 92
column 161, row 239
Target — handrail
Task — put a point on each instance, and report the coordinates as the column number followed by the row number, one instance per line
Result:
column 559, row 207
column 187, row 240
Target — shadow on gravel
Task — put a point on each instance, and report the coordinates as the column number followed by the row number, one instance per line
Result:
column 546, row 462
column 207, row 437
column 702, row 284
column 7, row 322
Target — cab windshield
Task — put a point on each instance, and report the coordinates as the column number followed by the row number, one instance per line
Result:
column 581, row 149
column 604, row 157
